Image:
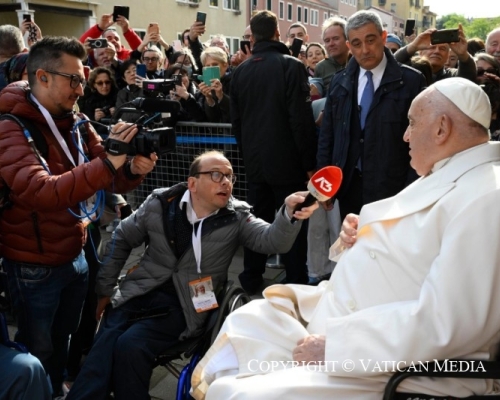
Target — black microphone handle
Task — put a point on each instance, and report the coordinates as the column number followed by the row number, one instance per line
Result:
column 308, row 201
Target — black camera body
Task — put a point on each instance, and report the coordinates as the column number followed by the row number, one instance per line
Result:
column 160, row 141
column 157, row 87
column 98, row 43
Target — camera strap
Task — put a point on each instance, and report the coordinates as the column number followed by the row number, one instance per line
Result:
column 117, row 147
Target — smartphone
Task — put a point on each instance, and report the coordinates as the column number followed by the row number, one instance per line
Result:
column 27, row 17
column 409, row 27
column 98, row 43
column 153, row 28
column 177, row 79
column 120, row 10
column 177, row 45
column 296, row 46
column 243, row 45
column 141, row 70
column 445, row 36
column 201, row 17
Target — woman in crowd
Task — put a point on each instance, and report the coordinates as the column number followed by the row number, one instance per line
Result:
column 184, row 57
column 488, row 68
column 315, row 52
column 15, row 68
column 186, row 94
column 215, row 100
column 98, row 104
column 131, row 91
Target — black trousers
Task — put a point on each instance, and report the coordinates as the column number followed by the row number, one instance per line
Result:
column 266, row 199
column 352, row 200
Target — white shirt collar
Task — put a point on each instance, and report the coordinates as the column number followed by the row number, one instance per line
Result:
column 190, row 213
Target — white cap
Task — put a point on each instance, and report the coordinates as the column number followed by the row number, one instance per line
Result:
column 468, row 97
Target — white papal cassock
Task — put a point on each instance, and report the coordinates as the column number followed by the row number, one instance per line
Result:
column 421, row 283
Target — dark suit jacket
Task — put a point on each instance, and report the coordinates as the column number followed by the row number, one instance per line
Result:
column 385, row 156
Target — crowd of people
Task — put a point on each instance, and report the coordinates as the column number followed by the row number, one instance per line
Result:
column 352, row 99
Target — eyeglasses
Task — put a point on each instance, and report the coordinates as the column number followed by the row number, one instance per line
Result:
column 480, row 71
column 218, row 176
column 246, row 37
column 75, row 79
column 100, row 83
column 150, row 59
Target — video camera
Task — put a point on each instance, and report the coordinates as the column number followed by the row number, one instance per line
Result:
column 159, row 140
column 158, row 87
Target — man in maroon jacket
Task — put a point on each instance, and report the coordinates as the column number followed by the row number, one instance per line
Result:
column 41, row 233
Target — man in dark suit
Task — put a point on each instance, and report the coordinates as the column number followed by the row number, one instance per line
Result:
column 273, row 123
column 366, row 140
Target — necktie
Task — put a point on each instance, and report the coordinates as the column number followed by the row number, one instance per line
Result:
column 366, row 98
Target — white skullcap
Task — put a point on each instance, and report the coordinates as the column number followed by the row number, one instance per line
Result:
column 468, row 97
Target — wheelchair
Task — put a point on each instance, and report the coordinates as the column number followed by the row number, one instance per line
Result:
column 491, row 371
column 229, row 298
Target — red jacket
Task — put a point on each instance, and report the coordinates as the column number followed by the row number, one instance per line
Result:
column 124, row 54
column 38, row 228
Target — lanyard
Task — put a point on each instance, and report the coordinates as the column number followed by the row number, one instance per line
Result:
column 196, row 239
column 58, row 136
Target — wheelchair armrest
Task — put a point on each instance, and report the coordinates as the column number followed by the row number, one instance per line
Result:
column 479, row 369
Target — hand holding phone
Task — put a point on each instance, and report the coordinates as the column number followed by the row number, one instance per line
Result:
column 120, row 10
column 409, row 27
column 153, row 28
column 27, row 17
column 141, row 70
column 445, row 36
column 243, row 46
column 296, row 46
column 201, row 17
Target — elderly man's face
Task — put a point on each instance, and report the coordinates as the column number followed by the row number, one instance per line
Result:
column 437, row 55
column 419, row 134
column 493, row 45
column 102, row 57
column 367, row 45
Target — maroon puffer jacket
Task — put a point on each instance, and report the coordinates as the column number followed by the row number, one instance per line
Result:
column 39, row 228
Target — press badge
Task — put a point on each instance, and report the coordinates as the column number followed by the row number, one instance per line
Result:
column 202, row 294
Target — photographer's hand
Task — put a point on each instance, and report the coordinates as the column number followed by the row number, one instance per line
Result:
column 106, row 21
column 123, row 132
column 123, row 23
column 141, row 165
column 98, row 114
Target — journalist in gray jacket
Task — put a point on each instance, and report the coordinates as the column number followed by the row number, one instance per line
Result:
column 192, row 231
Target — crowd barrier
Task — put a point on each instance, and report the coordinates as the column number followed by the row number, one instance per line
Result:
column 192, row 139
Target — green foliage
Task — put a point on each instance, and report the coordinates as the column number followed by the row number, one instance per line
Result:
column 475, row 27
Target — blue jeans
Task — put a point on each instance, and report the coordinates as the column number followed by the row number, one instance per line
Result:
column 129, row 339
column 48, row 302
column 22, row 376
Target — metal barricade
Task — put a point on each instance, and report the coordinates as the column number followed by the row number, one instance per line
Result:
column 192, row 140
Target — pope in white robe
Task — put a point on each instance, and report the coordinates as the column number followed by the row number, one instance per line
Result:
column 420, row 283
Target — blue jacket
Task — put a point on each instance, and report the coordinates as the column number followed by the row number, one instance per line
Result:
column 385, row 160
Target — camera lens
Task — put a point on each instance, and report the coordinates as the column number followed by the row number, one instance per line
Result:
column 98, row 43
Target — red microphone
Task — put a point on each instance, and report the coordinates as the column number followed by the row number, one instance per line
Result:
column 322, row 186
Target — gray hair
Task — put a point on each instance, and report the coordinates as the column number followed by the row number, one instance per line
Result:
column 363, row 17
column 214, row 52
column 155, row 49
column 487, row 36
column 333, row 21
column 11, row 41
